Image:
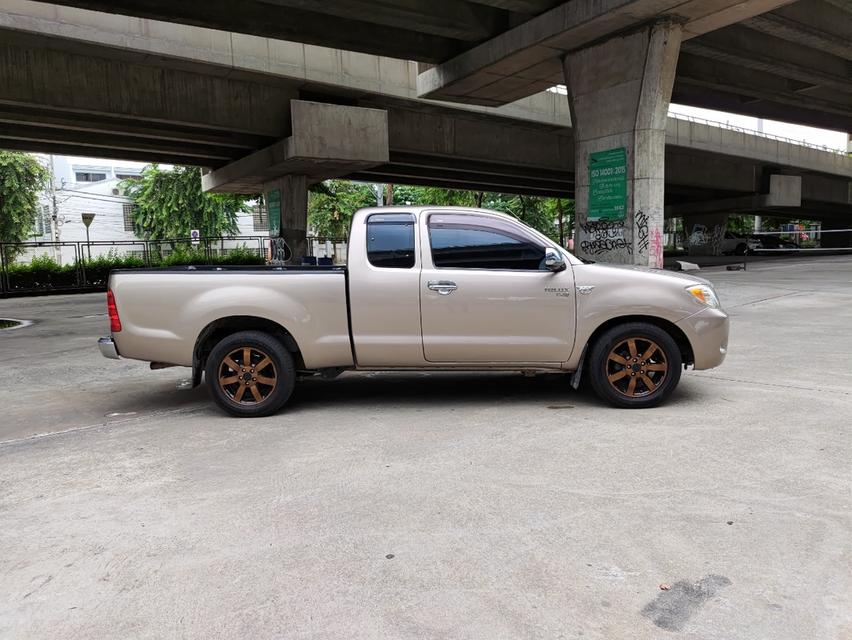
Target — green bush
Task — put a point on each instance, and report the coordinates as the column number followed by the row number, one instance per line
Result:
column 43, row 272
column 97, row 269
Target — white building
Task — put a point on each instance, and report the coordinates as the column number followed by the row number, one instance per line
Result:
column 91, row 186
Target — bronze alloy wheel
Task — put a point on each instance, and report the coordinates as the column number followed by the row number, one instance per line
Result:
column 636, row 367
column 247, row 376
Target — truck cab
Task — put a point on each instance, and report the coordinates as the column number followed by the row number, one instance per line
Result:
column 454, row 288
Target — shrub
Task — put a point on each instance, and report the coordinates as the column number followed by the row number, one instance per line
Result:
column 43, row 272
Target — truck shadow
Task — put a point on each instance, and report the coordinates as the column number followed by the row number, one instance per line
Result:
column 426, row 389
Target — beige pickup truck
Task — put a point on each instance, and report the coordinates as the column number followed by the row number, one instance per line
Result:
column 424, row 288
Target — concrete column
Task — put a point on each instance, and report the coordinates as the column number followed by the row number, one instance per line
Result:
column 287, row 204
column 705, row 233
column 619, row 92
column 838, row 240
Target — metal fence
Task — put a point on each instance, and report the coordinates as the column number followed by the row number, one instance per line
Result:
column 33, row 267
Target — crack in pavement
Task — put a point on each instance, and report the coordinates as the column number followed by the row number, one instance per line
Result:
column 771, row 384
column 105, row 423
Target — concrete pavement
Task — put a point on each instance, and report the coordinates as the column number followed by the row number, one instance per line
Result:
column 435, row 506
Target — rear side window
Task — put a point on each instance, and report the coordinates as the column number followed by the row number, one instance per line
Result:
column 467, row 242
column 390, row 240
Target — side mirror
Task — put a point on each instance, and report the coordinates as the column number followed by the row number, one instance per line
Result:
column 554, row 260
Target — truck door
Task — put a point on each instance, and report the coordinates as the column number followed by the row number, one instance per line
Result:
column 486, row 296
column 384, row 294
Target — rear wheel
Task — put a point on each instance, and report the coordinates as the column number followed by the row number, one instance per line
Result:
column 635, row 365
column 250, row 374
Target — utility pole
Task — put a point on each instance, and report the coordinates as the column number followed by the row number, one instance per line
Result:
column 54, row 216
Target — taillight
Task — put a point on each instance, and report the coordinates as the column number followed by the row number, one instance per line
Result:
column 112, row 310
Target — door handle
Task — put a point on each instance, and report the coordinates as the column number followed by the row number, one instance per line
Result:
column 443, row 287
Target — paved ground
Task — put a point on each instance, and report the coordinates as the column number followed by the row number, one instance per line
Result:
column 439, row 506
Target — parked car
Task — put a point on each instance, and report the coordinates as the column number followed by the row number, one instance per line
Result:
column 737, row 243
column 772, row 243
column 425, row 288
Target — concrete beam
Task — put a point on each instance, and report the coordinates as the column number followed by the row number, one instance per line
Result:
column 327, row 141
column 523, row 6
column 758, row 203
column 820, row 25
column 746, row 48
column 114, row 86
column 290, row 23
column 448, row 18
column 722, row 76
column 520, row 61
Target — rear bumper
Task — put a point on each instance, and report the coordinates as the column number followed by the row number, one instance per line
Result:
column 707, row 331
column 107, row 348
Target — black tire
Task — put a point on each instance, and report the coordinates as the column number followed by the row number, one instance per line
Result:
column 741, row 249
column 248, row 395
column 630, row 382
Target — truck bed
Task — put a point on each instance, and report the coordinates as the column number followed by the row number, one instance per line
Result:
column 164, row 310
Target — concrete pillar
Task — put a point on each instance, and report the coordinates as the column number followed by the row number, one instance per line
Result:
column 838, row 240
column 287, row 204
column 619, row 92
column 705, row 233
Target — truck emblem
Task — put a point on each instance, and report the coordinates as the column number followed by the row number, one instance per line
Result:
column 585, row 289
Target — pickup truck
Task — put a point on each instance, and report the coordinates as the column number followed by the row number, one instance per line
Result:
column 424, row 288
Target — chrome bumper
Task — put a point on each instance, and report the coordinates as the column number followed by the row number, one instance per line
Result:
column 107, row 347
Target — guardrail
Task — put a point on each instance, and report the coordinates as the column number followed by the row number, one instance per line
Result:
column 755, row 132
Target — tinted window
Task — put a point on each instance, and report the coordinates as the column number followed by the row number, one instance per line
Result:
column 390, row 240
column 460, row 243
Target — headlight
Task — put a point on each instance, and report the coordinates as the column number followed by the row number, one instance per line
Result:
column 704, row 295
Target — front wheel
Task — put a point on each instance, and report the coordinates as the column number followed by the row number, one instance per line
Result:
column 635, row 365
column 250, row 374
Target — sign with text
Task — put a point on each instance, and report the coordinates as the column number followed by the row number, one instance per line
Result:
column 273, row 207
column 608, row 184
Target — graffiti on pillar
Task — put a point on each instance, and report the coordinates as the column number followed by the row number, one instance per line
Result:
column 701, row 236
column 279, row 251
column 642, row 238
column 656, row 248
column 604, row 236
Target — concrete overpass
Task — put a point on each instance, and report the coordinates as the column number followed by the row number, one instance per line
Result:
column 772, row 58
column 81, row 82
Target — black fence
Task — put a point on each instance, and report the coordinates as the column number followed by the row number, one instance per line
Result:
column 57, row 267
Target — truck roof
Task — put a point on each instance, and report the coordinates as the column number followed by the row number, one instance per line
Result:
column 417, row 209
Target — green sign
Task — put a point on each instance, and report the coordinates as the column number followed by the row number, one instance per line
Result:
column 608, row 185
column 273, row 207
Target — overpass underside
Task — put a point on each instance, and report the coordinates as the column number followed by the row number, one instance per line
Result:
column 263, row 132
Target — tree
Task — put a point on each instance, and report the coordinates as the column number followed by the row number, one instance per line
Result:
column 331, row 205
column 22, row 178
column 169, row 204
column 333, row 202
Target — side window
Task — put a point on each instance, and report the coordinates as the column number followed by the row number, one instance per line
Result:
column 466, row 242
column 390, row 240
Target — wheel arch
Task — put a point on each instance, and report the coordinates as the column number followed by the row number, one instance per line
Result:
column 677, row 334
column 228, row 325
